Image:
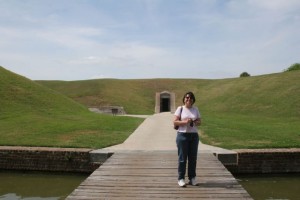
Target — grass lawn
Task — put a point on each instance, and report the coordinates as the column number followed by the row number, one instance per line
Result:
column 244, row 131
column 81, row 130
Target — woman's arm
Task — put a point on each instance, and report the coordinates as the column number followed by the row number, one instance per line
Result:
column 178, row 122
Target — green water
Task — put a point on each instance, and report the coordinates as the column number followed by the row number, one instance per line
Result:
column 37, row 185
column 274, row 186
column 55, row 186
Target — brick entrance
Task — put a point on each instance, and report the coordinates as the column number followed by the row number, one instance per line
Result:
column 164, row 102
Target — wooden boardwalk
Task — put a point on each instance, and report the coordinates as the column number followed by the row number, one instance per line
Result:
column 153, row 175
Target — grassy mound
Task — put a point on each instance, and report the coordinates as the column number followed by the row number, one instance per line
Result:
column 264, row 95
column 34, row 115
column 249, row 112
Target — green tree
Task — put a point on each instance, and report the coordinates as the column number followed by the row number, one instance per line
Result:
column 295, row 66
column 244, row 74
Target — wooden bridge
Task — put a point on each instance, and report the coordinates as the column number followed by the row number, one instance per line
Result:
column 153, row 175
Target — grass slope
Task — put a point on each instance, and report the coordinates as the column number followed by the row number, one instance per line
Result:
column 268, row 94
column 250, row 112
column 34, row 115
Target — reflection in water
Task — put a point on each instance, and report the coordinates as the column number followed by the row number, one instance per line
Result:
column 273, row 186
column 15, row 197
column 37, row 185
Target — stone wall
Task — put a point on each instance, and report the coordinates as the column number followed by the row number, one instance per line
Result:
column 87, row 160
column 266, row 161
column 46, row 159
column 114, row 110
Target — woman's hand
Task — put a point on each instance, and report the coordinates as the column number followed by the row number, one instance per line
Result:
column 197, row 122
column 188, row 121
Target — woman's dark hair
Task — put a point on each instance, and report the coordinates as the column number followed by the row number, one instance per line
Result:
column 192, row 96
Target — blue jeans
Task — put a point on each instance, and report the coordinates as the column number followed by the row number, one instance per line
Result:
column 187, row 145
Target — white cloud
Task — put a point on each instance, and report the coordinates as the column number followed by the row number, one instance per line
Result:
column 121, row 54
column 70, row 37
column 276, row 5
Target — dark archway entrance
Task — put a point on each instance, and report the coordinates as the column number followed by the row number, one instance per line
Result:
column 165, row 105
column 165, row 102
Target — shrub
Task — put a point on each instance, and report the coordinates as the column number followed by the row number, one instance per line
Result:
column 244, row 74
column 295, row 66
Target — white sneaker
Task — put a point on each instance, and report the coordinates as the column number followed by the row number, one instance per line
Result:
column 181, row 183
column 193, row 181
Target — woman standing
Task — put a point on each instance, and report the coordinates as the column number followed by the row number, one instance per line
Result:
column 187, row 117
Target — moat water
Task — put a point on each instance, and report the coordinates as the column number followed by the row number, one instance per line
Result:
column 272, row 186
column 38, row 185
column 56, row 186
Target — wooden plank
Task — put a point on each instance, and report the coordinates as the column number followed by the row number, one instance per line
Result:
column 153, row 175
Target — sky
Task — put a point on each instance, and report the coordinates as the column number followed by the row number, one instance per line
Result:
column 144, row 39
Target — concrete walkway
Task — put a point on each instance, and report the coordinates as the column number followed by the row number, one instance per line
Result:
column 157, row 133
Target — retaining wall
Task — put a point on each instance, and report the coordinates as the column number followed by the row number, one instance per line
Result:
column 266, row 161
column 87, row 160
column 47, row 159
